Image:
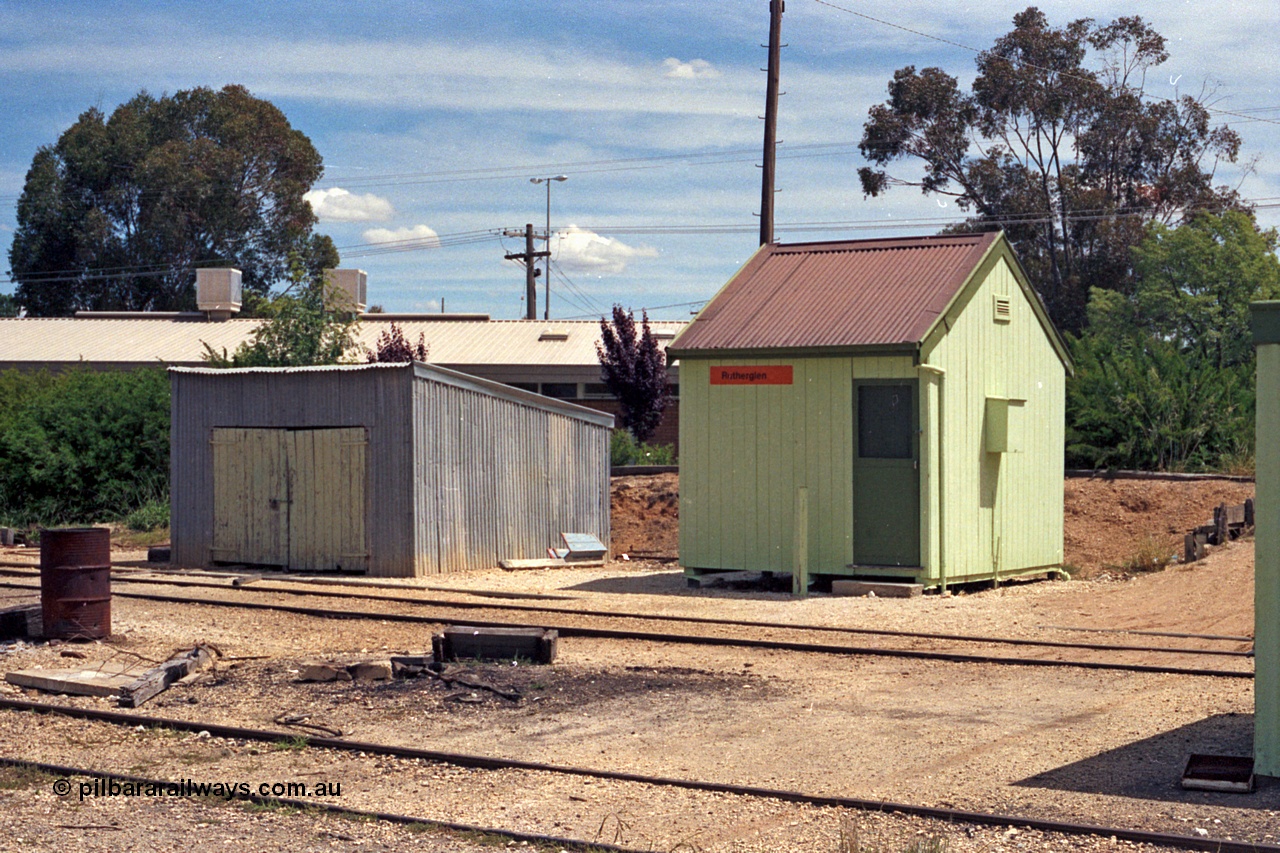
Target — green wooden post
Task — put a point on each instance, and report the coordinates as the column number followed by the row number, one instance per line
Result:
column 1266, row 606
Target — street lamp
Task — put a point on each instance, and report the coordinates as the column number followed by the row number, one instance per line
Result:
column 546, row 315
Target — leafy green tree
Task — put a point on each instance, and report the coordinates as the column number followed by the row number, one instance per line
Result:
column 1059, row 144
column 8, row 305
column 634, row 368
column 1164, row 374
column 1195, row 283
column 310, row 323
column 120, row 211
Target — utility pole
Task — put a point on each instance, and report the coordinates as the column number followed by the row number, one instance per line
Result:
column 776, row 8
column 530, row 270
column 547, row 281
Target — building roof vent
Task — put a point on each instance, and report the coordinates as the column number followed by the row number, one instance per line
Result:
column 353, row 285
column 218, row 292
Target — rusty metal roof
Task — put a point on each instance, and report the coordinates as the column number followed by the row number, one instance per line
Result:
column 858, row 293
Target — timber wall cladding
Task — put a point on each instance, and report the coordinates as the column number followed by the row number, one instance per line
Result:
column 290, row 497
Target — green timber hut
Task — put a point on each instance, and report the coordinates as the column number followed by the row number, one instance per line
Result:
column 886, row 409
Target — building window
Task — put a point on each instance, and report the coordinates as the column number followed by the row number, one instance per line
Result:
column 560, row 390
column 675, row 389
column 525, row 386
column 596, row 391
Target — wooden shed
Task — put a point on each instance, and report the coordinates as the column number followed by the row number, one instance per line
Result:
column 886, row 409
column 392, row 470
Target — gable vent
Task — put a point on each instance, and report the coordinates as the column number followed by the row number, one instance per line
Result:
column 1003, row 309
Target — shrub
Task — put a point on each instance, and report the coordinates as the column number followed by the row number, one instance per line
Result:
column 152, row 515
column 83, row 446
column 625, row 450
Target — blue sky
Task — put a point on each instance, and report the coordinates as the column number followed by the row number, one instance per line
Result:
column 432, row 116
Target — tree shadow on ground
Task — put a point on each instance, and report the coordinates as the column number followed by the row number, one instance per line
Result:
column 1151, row 769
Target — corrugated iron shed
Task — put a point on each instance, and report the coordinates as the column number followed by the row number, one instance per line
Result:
column 858, row 293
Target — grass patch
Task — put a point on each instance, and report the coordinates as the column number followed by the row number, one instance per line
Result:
column 1153, row 555
column 21, row 778
column 293, row 744
column 854, row 839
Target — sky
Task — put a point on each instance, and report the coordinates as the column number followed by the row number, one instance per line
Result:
column 432, row 117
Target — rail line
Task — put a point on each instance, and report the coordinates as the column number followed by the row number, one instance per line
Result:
column 1185, row 842
column 329, row 808
column 690, row 620
column 567, row 631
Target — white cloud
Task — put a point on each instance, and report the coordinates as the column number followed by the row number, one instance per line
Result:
column 418, row 234
column 583, row 251
column 690, row 70
column 339, row 205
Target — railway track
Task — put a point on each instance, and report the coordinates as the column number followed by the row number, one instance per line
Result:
column 250, row 598
column 950, row 815
column 684, row 620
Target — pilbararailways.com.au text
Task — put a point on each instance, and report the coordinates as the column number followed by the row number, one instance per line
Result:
column 191, row 788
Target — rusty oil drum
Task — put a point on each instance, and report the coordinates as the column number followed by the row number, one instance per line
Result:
column 75, row 582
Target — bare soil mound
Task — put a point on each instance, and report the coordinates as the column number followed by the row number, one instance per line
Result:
column 1107, row 522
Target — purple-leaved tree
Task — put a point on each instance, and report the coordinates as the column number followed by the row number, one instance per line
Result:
column 394, row 348
column 634, row 368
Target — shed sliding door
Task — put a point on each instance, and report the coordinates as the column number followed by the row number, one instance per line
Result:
column 293, row 498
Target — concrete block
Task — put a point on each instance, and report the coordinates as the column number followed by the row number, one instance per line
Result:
column 881, row 589
column 321, row 671
column 371, row 670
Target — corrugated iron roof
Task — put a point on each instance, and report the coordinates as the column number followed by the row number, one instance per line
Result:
column 169, row 339
column 854, row 293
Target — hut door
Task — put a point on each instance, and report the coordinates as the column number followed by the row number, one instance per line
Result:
column 290, row 497
column 886, row 473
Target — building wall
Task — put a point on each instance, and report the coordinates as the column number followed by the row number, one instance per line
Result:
column 1266, row 589
column 501, row 479
column 1002, row 511
column 747, row 449
column 376, row 399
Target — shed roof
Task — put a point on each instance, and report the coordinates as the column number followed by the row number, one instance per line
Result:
column 855, row 293
column 180, row 338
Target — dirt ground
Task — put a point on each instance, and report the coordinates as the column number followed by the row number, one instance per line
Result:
column 1106, row 522
column 1091, row 746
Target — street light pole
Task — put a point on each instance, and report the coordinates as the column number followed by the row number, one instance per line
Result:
column 547, row 311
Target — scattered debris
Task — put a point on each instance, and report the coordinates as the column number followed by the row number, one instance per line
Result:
column 371, row 670
column 464, row 642
column 1219, row 773
column 321, row 671
column 21, row 622
column 1229, row 522
column 547, row 563
column 583, row 546
column 108, row 678
column 159, row 679
column 299, row 721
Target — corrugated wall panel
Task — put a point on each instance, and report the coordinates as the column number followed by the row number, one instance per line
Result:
column 507, row 478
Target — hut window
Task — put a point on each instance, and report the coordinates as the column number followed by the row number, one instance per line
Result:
column 884, row 421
